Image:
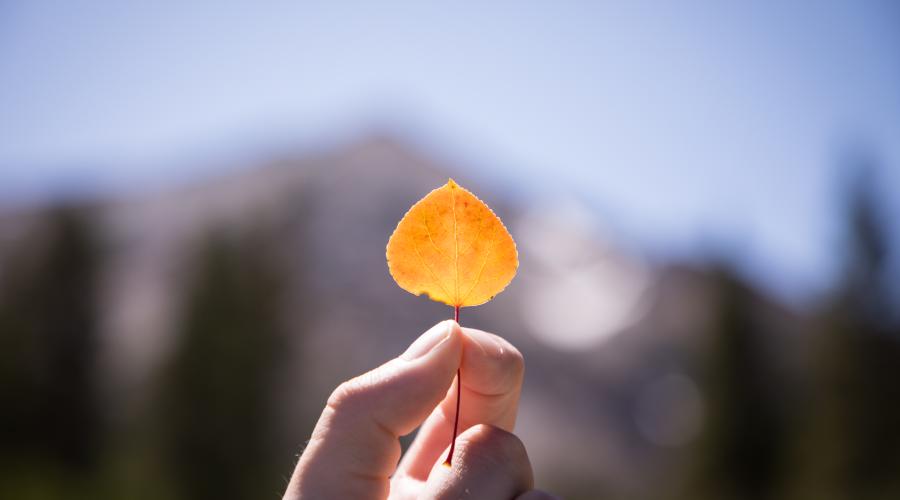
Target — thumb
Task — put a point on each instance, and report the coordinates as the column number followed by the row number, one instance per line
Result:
column 355, row 448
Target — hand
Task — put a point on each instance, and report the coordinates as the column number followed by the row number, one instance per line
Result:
column 354, row 449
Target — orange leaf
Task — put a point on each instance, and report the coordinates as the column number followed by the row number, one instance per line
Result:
column 453, row 248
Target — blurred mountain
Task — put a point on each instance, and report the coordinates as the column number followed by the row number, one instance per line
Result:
column 613, row 396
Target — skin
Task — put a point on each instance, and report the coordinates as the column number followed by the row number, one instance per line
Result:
column 354, row 451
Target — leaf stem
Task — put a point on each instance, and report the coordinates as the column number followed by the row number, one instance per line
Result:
column 447, row 462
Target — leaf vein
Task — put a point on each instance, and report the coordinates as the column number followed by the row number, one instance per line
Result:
column 487, row 256
column 428, row 231
column 428, row 268
column 472, row 242
column 456, row 238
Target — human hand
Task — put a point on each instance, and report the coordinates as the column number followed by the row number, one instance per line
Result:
column 354, row 448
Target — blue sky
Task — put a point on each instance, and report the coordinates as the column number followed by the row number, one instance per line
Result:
column 688, row 123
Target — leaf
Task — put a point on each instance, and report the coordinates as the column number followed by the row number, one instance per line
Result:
column 453, row 248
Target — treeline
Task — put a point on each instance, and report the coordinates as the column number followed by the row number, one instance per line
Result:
column 210, row 425
column 828, row 427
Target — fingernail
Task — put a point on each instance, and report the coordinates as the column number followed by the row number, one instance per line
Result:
column 428, row 341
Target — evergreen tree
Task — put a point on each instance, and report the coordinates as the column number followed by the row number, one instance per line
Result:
column 738, row 455
column 51, row 420
column 218, row 413
column 852, row 448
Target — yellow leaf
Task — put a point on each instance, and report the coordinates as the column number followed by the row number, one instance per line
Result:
column 453, row 248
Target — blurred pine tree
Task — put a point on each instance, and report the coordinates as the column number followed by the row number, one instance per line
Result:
column 850, row 447
column 218, row 415
column 739, row 453
column 51, row 423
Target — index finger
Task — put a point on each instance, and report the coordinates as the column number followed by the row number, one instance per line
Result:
column 492, row 371
column 354, row 447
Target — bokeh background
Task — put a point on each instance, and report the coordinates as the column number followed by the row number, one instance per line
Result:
column 195, row 199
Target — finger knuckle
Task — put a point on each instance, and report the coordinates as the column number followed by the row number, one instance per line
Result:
column 346, row 396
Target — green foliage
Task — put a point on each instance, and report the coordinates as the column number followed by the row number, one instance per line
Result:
column 217, row 413
column 840, row 440
column 740, row 451
column 51, row 423
column 850, row 445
